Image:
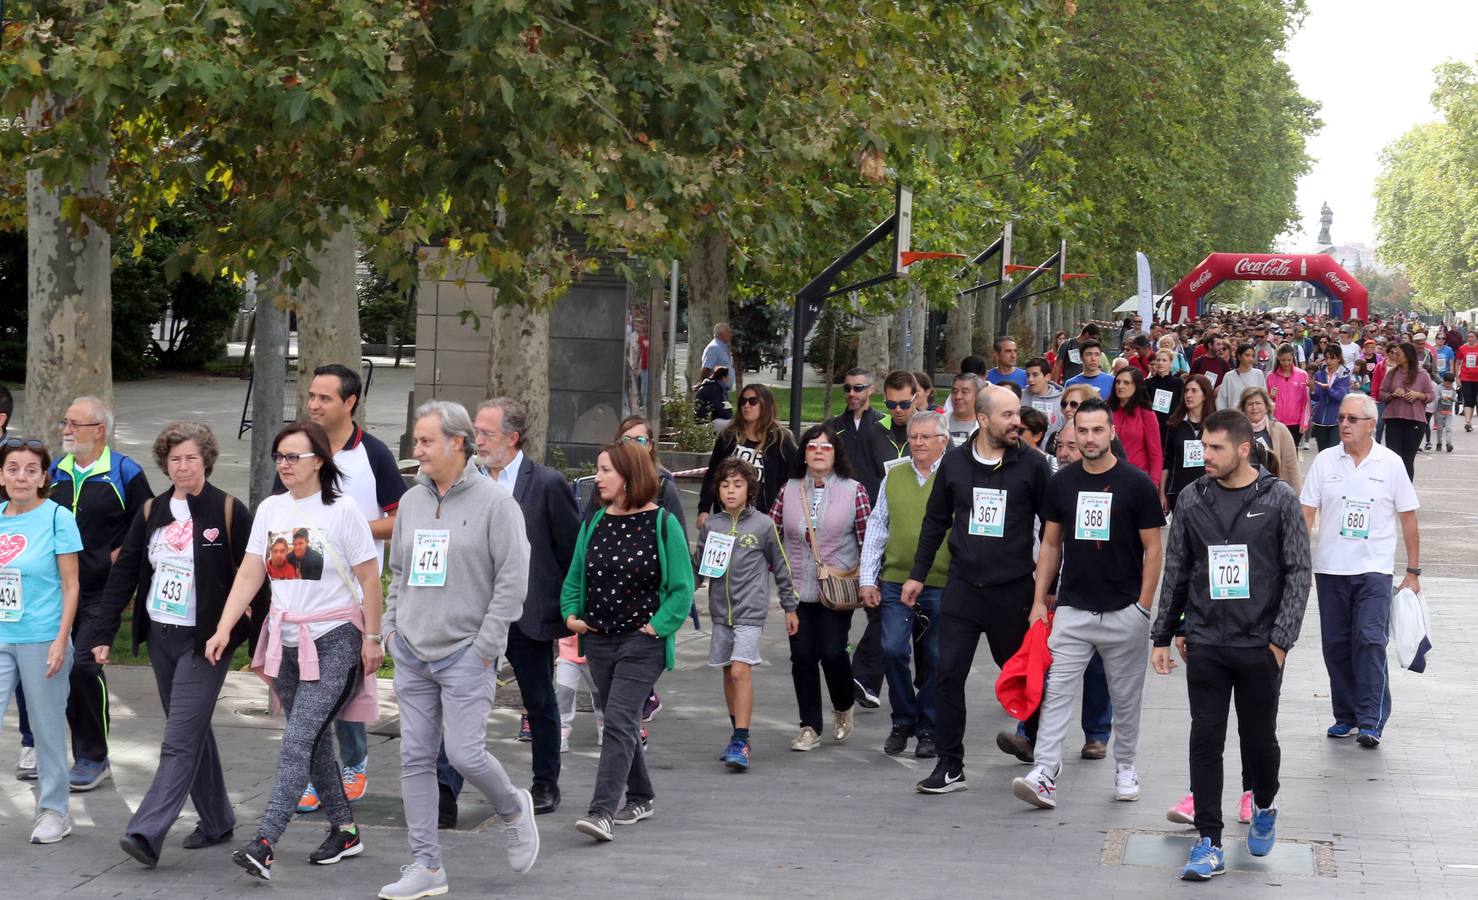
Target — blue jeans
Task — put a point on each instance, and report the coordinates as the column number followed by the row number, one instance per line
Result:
column 353, row 742
column 1380, row 422
column 1098, row 709
column 913, row 711
column 26, row 664
column 1354, row 616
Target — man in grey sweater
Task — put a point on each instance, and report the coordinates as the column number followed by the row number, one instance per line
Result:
column 459, row 561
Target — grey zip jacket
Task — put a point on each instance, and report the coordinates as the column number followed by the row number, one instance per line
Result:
column 487, row 568
column 742, row 595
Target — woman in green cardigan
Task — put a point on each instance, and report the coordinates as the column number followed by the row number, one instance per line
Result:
column 629, row 588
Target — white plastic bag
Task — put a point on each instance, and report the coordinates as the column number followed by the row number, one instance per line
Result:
column 1411, row 630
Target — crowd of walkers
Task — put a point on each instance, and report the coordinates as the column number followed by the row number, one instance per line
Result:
column 1031, row 511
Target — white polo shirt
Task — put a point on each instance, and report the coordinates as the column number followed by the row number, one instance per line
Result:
column 1355, row 500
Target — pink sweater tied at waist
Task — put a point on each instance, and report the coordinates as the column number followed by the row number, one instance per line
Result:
column 363, row 706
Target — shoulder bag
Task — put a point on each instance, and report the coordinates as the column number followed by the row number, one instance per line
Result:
column 837, row 591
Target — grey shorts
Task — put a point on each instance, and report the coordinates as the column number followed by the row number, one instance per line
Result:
column 739, row 643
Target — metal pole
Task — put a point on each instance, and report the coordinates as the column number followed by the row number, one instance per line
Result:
column 672, row 335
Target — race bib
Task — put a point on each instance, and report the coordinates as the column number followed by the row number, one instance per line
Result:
column 1470, row 360
column 891, row 464
column 717, row 551
column 428, row 557
column 171, row 592
column 12, row 599
column 1075, row 356
column 1193, row 456
column 1093, row 516
column 1162, row 400
column 1354, row 518
column 1211, row 377
column 988, row 513
column 1230, row 571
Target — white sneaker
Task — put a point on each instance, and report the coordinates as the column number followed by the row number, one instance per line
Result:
column 1126, row 784
column 25, row 766
column 51, row 826
column 1037, row 788
column 523, row 835
column 416, row 881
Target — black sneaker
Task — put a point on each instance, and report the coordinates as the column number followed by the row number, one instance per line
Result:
column 199, row 840
column 942, row 781
column 897, row 741
column 135, row 845
column 925, row 748
column 634, row 812
column 865, row 698
column 338, row 845
column 598, row 827
column 255, row 858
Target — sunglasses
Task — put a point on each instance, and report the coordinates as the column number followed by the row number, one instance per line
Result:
column 855, row 388
column 819, row 445
column 27, row 443
column 290, row 458
column 1071, row 404
column 636, row 439
column 898, row 404
column 749, row 401
column 1351, row 420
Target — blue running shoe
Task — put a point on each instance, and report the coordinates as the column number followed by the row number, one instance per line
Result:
column 1369, row 739
column 1205, row 862
column 1260, row 835
column 736, row 756
column 1341, row 730
column 87, row 774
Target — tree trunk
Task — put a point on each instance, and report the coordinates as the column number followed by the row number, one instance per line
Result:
column 873, row 353
column 268, row 387
column 708, row 296
column 959, row 333
column 69, row 298
column 518, row 366
column 328, row 314
column 986, row 307
column 918, row 326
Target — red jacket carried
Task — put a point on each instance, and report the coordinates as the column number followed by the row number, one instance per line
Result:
column 1023, row 677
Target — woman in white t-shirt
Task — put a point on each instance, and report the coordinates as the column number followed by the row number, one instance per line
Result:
column 321, row 647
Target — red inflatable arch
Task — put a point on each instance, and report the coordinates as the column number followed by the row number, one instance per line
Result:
column 1348, row 298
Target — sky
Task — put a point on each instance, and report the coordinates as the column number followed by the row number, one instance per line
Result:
column 1369, row 64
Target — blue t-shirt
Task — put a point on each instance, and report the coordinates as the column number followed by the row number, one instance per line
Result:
column 1445, row 358
column 1018, row 375
column 1103, row 382
column 30, row 544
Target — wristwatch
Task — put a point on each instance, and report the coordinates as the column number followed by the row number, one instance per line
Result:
column 378, row 639
column 1417, row 571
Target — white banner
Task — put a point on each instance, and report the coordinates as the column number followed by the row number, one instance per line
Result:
column 1146, row 291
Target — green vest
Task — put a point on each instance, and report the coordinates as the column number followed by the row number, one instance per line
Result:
column 906, row 501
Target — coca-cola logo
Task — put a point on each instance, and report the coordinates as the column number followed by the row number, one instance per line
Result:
column 1277, row 267
column 1200, row 280
column 1344, row 286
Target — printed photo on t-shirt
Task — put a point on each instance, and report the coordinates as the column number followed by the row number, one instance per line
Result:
column 296, row 554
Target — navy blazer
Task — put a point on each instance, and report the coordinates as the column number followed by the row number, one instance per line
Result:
column 553, row 525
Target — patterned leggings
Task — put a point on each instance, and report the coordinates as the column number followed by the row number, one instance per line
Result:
column 307, row 741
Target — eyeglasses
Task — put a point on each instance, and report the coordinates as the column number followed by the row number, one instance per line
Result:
column 1351, row 420
column 28, row 443
column 1071, row 404
column 926, row 437
column 749, row 401
column 898, row 404
column 64, row 424
column 488, row 435
column 855, row 388
column 819, row 445
column 290, row 458
column 636, row 439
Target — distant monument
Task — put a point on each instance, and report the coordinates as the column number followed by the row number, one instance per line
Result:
column 1326, row 218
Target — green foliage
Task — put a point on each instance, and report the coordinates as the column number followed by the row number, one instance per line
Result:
column 382, row 309
column 681, row 426
column 761, row 331
column 833, row 323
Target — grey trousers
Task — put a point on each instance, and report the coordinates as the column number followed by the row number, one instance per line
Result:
column 189, row 764
column 625, row 668
column 445, row 701
column 1122, row 639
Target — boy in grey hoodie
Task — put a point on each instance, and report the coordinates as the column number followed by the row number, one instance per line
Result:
column 739, row 546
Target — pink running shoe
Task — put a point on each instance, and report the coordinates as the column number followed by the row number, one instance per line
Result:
column 1244, row 808
column 1184, row 812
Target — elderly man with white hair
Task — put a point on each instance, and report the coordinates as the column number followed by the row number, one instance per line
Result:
column 1362, row 489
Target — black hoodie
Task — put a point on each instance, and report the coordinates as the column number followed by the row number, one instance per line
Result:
column 1265, row 517
column 977, row 559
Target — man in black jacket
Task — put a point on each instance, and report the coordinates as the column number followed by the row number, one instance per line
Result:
column 986, row 497
column 1237, row 569
column 553, row 524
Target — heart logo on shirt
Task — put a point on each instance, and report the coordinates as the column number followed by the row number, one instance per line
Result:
column 177, row 535
column 210, row 535
column 11, row 546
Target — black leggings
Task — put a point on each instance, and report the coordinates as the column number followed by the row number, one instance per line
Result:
column 1404, row 437
column 820, row 638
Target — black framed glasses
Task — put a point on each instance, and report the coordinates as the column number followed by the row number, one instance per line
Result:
column 16, row 443
column 749, row 401
column 855, row 388
column 898, row 404
column 1351, row 420
column 68, row 423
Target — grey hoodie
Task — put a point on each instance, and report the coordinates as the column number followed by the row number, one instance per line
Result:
column 1049, row 405
column 487, row 568
column 742, row 596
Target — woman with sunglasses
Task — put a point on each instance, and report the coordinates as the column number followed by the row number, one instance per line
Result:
column 39, row 543
column 822, row 513
column 1184, row 457
column 1072, row 398
column 321, row 641
column 757, row 437
column 176, row 566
